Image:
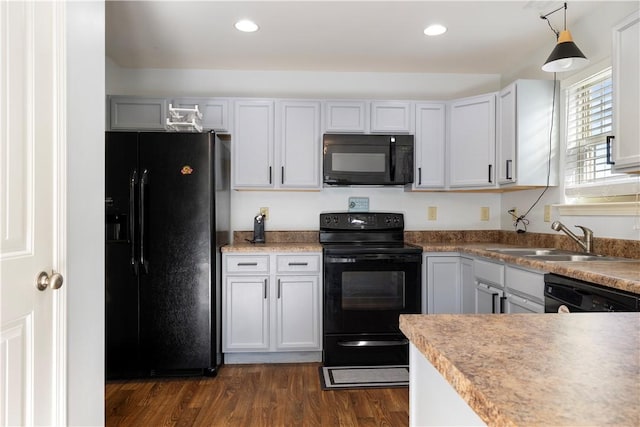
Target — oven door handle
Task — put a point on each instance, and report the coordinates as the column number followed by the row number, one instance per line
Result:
column 373, row 343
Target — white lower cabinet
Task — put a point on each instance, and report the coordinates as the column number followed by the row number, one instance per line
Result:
column 506, row 288
column 443, row 284
column 246, row 320
column 448, row 284
column 271, row 308
column 298, row 316
column 489, row 299
column 489, row 278
column 524, row 290
column 455, row 284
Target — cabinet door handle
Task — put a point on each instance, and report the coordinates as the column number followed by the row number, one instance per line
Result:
column 419, row 176
column 493, row 303
column 265, row 288
column 279, row 286
column 270, row 175
column 490, row 174
column 502, row 300
column 247, row 264
column 508, row 169
column 282, row 175
column 303, row 264
column 609, row 160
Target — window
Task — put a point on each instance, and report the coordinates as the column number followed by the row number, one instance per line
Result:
column 588, row 171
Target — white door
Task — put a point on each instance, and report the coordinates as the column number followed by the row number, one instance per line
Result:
column 32, row 390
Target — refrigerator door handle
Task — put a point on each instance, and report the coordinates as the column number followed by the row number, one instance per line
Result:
column 132, row 222
column 143, row 182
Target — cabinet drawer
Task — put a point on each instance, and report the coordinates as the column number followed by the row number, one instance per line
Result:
column 525, row 282
column 489, row 272
column 247, row 263
column 298, row 263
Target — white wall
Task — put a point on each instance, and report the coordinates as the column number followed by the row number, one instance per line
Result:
column 296, row 84
column 299, row 210
column 613, row 226
column 85, row 207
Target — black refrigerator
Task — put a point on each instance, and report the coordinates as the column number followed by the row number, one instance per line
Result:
column 167, row 216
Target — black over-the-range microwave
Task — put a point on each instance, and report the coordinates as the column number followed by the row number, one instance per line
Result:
column 351, row 159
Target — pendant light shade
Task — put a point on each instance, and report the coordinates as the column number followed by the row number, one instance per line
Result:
column 565, row 56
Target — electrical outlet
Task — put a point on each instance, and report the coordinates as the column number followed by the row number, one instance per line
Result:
column 264, row 212
column 484, row 213
column 547, row 213
column 432, row 213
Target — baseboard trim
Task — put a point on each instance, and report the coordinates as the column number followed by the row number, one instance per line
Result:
column 279, row 357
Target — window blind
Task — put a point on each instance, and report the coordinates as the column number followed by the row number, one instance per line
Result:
column 589, row 122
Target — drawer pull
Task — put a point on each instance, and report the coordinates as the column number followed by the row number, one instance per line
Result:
column 247, row 264
column 293, row 264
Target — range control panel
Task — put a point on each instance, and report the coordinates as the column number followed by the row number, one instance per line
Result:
column 361, row 221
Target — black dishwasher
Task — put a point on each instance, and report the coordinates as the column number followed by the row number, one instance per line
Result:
column 564, row 294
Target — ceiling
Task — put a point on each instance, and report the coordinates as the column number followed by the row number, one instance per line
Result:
column 375, row 36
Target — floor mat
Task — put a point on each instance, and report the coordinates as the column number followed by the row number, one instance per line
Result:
column 350, row 377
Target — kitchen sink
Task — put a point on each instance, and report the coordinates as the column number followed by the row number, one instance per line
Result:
column 531, row 251
column 581, row 257
column 553, row 254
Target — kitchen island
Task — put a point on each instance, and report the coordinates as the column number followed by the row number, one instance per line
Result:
column 526, row 369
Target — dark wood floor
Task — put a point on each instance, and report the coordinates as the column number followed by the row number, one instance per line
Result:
column 252, row 395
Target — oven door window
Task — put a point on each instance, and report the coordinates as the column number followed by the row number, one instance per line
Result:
column 373, row 290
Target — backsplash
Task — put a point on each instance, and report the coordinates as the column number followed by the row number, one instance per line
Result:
column 601, row 245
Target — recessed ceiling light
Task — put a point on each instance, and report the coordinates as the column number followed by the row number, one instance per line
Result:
column 246, row 26
column 435, row 30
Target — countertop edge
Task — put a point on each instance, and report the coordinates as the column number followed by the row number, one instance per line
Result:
column 476, row 400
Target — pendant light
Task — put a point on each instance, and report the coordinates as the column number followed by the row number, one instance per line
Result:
column 565, row 56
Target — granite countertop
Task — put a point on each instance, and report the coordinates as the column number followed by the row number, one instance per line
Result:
column 623, row 275
column 528, row 369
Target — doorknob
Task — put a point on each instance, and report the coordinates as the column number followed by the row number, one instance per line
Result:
column 44, row 280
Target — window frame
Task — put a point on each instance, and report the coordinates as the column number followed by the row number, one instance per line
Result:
column 613, row 189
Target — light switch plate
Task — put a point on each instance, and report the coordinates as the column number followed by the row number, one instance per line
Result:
column 358, row 204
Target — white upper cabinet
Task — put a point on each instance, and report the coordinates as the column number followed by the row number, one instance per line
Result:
column 472, row 140
column 353, row 116
column 215, row 111
column 626, row 92
column 525, row 146
column 137, row 113
column 345, row 117
column 430, row 143
column 298, row 140
column 287, row 155
column 252, row 146
column 391, row 117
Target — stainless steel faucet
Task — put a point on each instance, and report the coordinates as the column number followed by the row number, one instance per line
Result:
column 585, row 242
